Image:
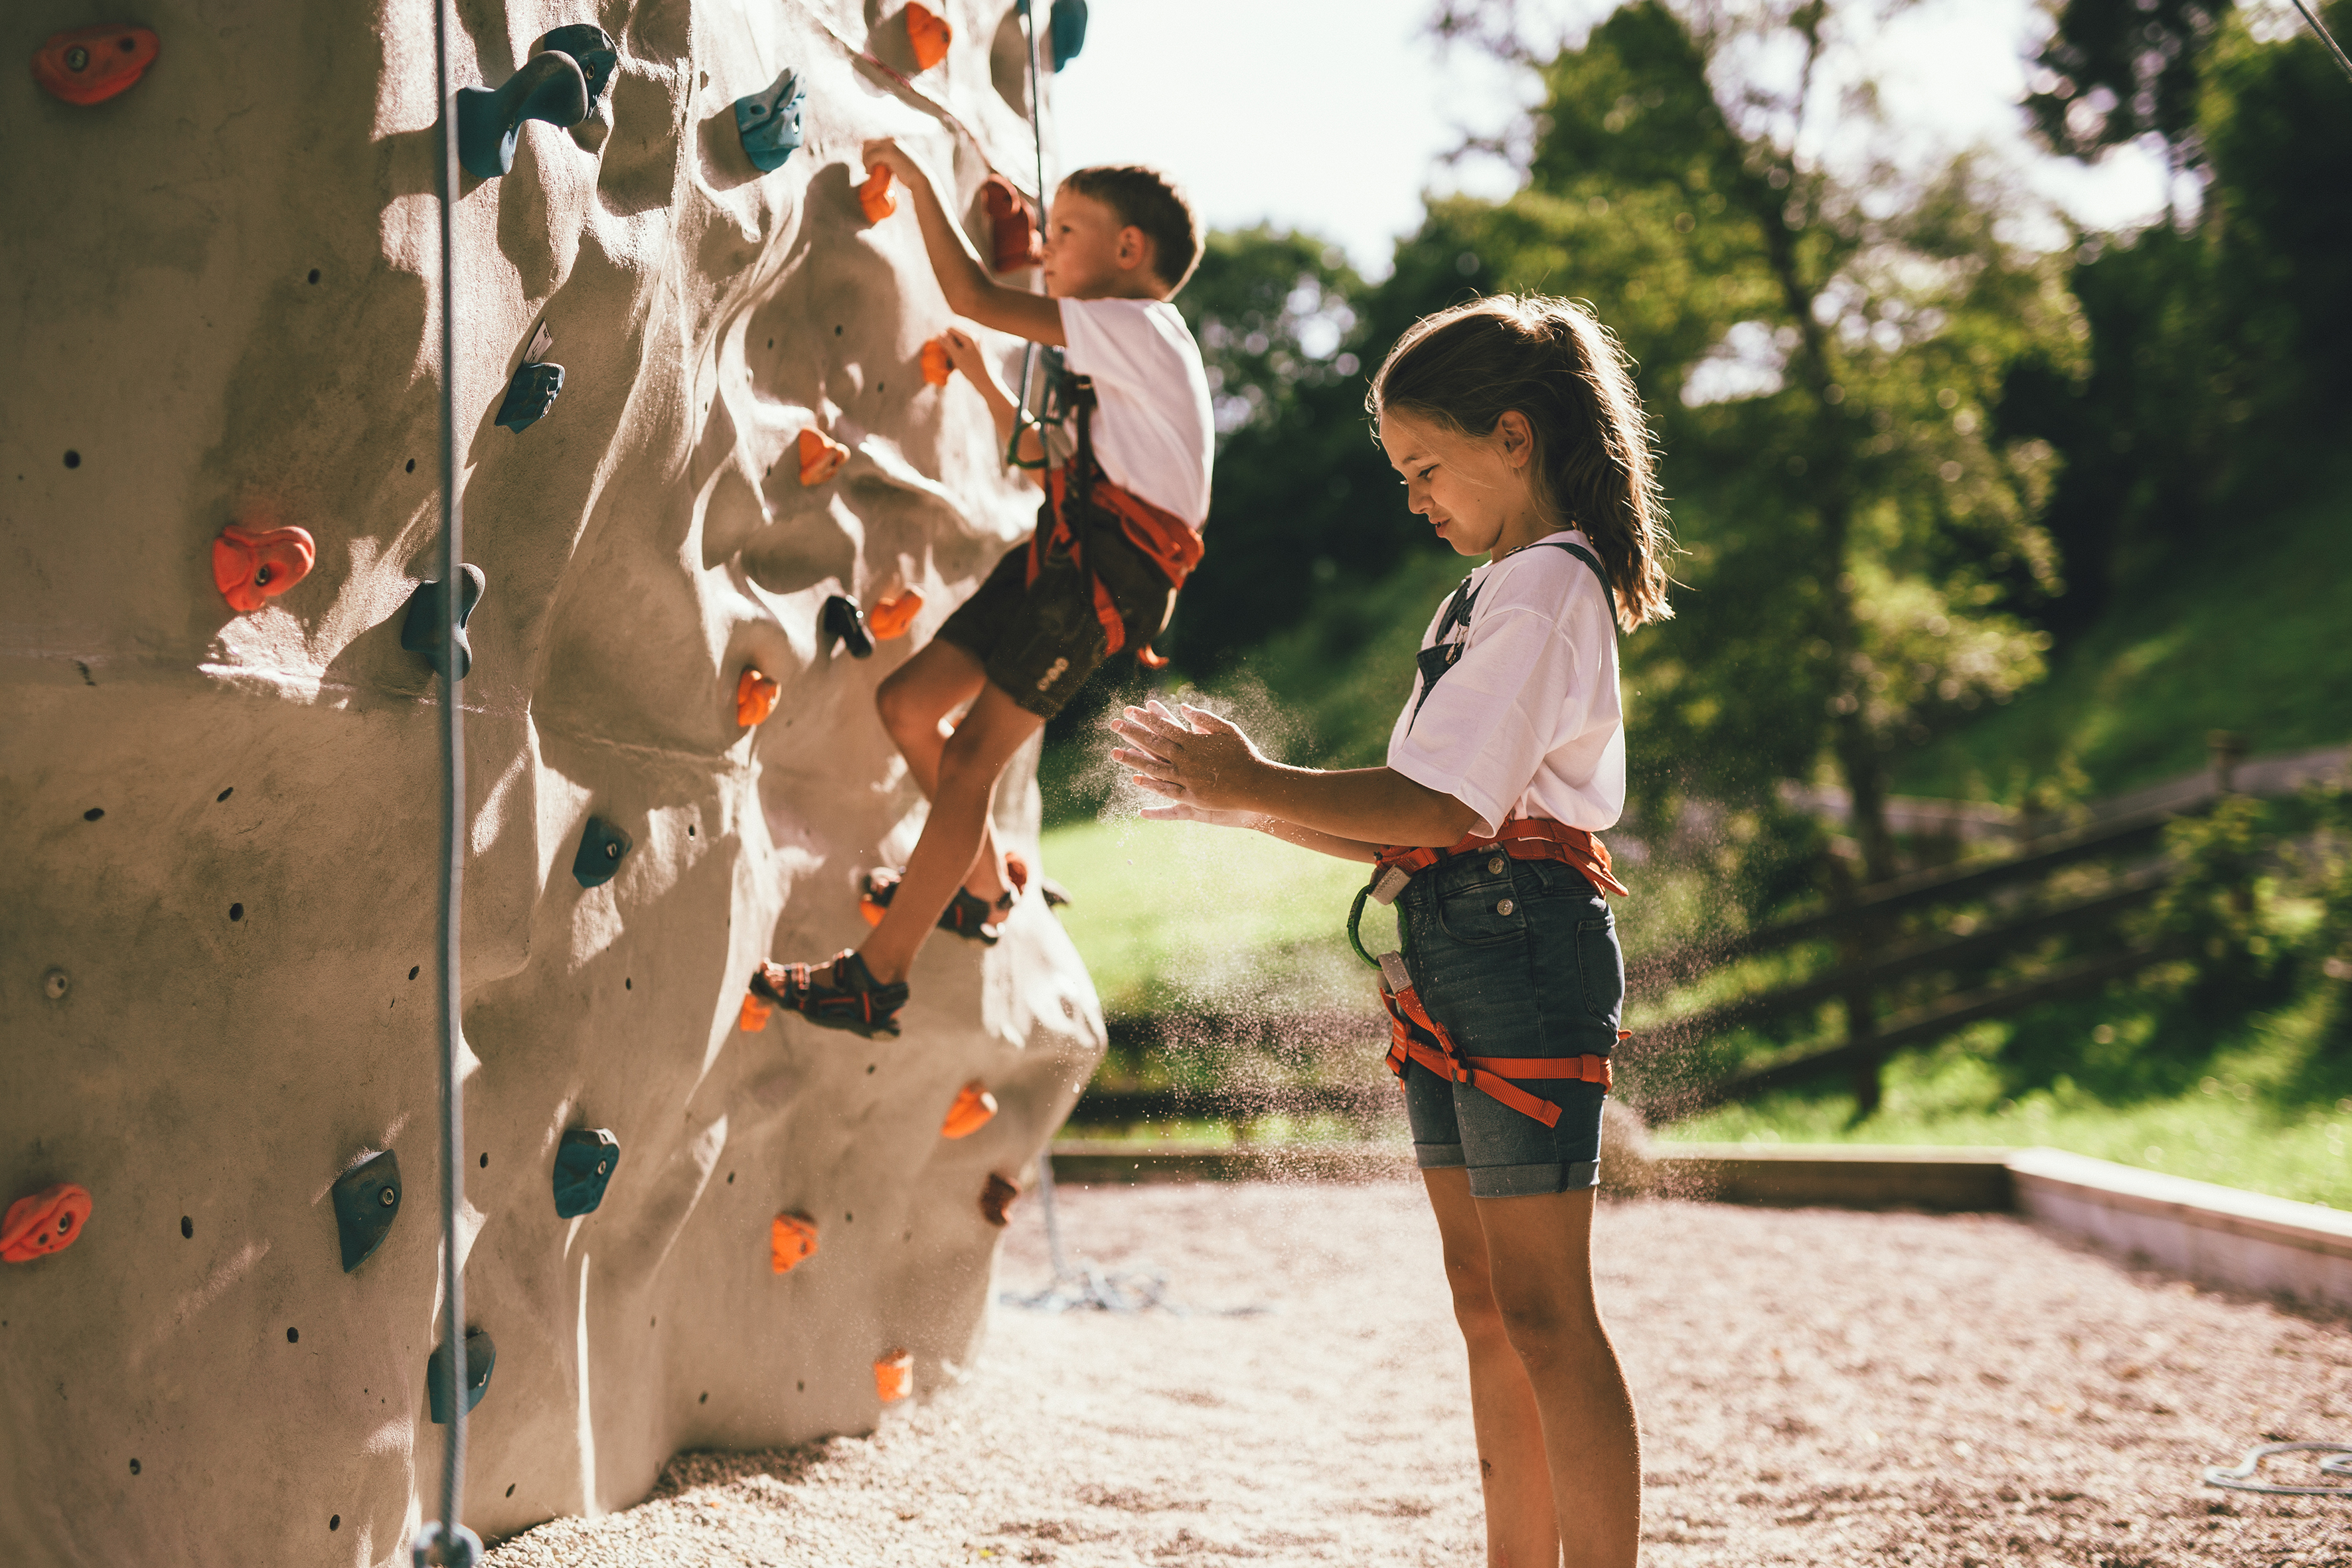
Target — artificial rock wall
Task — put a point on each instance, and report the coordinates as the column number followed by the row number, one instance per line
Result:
column 217, row 918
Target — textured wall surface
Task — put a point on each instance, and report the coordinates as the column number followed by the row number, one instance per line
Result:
column 217, row 917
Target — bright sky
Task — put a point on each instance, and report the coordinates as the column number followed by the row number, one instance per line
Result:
column 1332, row 116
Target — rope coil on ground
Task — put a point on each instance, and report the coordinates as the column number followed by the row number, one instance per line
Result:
column 2240, row 1478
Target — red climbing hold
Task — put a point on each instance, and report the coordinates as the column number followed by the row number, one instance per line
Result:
column 90, row 65
column 894, row 1376
column 791, row 1239
column 995, row 1196
column 251, row 566
column 45, row 1223
column 972, row 1109
column 874, row 196
column 930, row 34
column 1013, row 241
column 755, row 697
column 820, row 456
column 937, row 366
column 893, row 617
column 757, row 1010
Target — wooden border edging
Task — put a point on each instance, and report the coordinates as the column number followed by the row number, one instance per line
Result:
column 1834, row 1176
column 1109, row 1160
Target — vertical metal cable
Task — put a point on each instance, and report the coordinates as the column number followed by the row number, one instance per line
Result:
column 1037, row 134
column 2324, row 37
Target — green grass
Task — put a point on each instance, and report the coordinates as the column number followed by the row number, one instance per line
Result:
column 2248, row 638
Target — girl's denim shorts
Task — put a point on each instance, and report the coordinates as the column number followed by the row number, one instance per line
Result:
column 1516, row 958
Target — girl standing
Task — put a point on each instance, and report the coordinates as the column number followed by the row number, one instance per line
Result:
column 1516, row 426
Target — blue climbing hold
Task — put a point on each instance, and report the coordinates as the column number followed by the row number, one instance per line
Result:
column 591, row 50
column 1067, row 28
column 550, row 86
column 420, row 629
column 584, row 1164
column 842, row 618
column 481, row 1355
column 366, row 1200
column 602, row 845
column 769, row 121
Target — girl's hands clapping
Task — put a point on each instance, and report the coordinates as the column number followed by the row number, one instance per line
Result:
column 1202, row 764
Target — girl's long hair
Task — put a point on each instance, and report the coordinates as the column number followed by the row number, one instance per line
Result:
column 1554, row 361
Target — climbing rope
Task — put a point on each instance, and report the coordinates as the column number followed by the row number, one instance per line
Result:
column 1021, row 421
column 2324, row 37
column 2239, row 1477
column 448, row 1541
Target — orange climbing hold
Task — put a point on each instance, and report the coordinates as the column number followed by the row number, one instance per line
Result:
column 930, row 34
column 996, row 1196
column 45, row 1223
column 874, row 196
column 790, row 1241
column 251, row 566
column 937, row 366
column 893, row 617
column 973, row 1107
column 90, row 65
column 820, row 456
column 755, row 1013
column 894, row 1376
column 755, row 697
column 1013, row 228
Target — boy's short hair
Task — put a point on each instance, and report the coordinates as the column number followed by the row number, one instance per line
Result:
column 1147, row 199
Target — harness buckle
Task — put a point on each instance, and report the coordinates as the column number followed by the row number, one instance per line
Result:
column 1389, row 884
column 1392, row 970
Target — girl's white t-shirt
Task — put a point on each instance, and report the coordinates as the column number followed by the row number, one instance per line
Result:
column 1151, row 428
column 1527, row 721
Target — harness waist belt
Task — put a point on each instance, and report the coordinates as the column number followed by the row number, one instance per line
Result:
column 1522, row 838
column 1166, row 541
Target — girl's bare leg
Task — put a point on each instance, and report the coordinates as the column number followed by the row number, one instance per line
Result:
column 1513, row 1471
column 913, row 700
column 1539, row 1259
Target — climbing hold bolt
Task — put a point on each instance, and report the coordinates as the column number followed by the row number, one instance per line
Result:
column 253, row 565
column 769, row 121
column 1067, row 28
column 973, row 1110
column 937, row 366
column 891, row 617
column 90, row 65
column 894, row 1376
column 790, row 1240
column 367, row 1200
column 56, row 984
column 874, row 196
column 591, row 50
column 755, row 697
column 1012, row 226
column 481, row 1355
column 420, row 629
column 532, row 391
column 46, row 1221
column 602, row 845
column 820, row 456
column 928, row 35
column 550, row 86
column 755, row 1013
column 842, row 618
column 584, row 1159
column 996, row 1196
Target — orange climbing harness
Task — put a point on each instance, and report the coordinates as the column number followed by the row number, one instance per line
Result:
column 1522, row 838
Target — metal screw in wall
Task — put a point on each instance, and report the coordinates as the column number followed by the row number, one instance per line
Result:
column 56, row 984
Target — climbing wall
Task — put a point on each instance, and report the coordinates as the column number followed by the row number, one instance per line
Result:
column 219, row 425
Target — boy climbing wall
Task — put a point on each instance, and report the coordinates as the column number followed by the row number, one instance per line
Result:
column 1126, row 491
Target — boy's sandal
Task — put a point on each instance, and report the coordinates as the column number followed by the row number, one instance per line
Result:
column 841, row 994
column 967, row 915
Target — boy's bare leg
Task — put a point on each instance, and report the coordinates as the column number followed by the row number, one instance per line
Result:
column 1540, row 1258
column 1513, row 1473
column 913, row 700
column 969, row 763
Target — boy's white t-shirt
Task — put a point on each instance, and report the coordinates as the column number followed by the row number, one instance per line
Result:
column 1151, row 428
column 1527, row 721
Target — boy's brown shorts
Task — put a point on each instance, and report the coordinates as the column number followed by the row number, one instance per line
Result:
column 1041, row 641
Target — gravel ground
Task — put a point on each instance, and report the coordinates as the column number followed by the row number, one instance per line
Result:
column 1815, row 1388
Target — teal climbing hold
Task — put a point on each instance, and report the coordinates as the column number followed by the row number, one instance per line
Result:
column 585, row 1161
column 842, row 618
column 602, row 845
column 532, row 391
column 550, row 86
column 420, row 629
column 1067, row 28
column 591, row 50
column 769, row 121
column 366, row 1201
column 481, row 1355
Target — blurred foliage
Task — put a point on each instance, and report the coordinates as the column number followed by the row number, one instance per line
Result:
column 2116, row 70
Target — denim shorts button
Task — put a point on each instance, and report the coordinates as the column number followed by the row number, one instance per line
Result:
column 1506, row 907
column 1496, row 866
